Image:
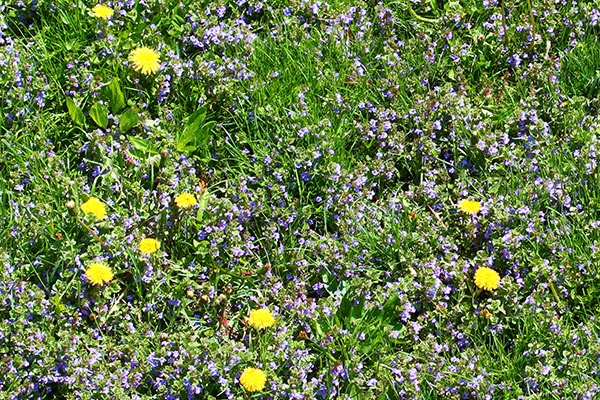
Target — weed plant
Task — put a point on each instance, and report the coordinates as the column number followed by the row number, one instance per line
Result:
column 301, row 169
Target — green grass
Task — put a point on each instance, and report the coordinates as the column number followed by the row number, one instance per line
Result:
column 326, row 196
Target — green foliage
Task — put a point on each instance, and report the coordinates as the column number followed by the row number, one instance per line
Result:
column 75, row 112
column 327, row 145
column 112, row 92
column 99, row 114
column 129, row 119
column 580, row 75
column 197, row 133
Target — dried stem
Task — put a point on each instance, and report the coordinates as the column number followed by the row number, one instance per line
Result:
column 532, row 26
column 504, row 23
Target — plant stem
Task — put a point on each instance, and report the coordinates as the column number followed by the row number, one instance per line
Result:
column 532, row 26
column 504, row 23
column 93, row 234
column 419, row 17
column 554, row 291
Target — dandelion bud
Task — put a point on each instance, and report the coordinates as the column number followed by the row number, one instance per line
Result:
column 71, row 207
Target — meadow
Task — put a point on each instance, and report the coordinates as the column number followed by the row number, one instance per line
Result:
column 301, row 199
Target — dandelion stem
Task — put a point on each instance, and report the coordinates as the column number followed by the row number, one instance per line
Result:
column 551, row 283
column 419, row 17
column 93, row 234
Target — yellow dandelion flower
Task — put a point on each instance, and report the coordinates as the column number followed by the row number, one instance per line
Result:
column 149, row 246
column 102, row 11
column 98, row 274
column 185, row 200
column 94, row 206
column 261, row 318
column 145, row 60
column 469, row 207
column 486, row 278
column 253, row 379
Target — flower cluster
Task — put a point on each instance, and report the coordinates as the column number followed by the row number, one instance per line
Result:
column 94, row 206
column 99, row 274
column 149, row 245
column 486, row 278
column 469, row 207
column 145, row 60
column 261, row 318
column 102, row 11
column 253, row 379
column 299, row 200
column 185, row 200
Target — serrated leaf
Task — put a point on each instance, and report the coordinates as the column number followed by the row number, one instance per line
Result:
column 129, row 119
column 75, row 112
column 112, row 92
column 99, row 114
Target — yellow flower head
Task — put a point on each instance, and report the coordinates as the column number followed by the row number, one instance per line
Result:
column 98, row 274
column 102, row 11
column 145, row 60
column 94, row 206
column 261, row 318
column 253, row 379
column 149, row 246
column 185, row 200
column 486, row 278
column 469, row 207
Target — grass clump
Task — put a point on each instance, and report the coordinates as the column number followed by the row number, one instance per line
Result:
column 323, row 199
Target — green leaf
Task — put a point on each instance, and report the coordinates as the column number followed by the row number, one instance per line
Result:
column 129, row 119
column 389, row 308
column 175, row 31
column 58, row 305
column 357, row 309
column 112, row 92
column 451, row 74
column 75, row 112
column 140, row 144
column 348, row 312
column 99, row 114
column 202, row 204
column 182, row 145
column 202, row 243
column 195, row 120
column 196, row 133
column 176, row 28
